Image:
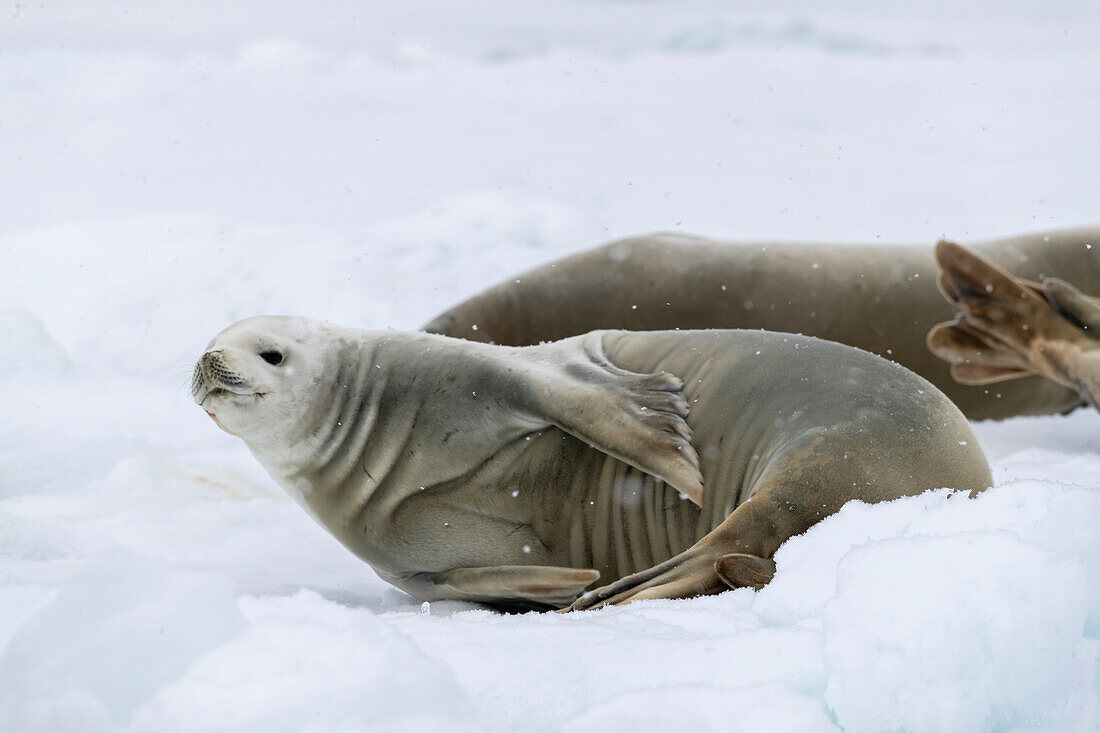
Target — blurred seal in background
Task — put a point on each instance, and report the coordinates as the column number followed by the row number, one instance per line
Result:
column 881, row 298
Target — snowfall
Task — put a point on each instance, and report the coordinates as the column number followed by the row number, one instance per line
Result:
column 168, row 168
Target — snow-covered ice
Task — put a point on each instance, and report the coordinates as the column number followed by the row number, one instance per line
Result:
column 168, row 168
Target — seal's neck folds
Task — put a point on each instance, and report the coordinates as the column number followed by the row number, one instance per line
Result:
column 325, row 447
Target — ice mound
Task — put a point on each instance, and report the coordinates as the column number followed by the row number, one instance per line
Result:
column 768, row 707
column 975, row 631
column 305, row 663
column 941, row 612
column 121, row 629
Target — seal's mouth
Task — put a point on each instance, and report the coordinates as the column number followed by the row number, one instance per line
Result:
column 213, row 392
column 216, row 420
column 220, row 392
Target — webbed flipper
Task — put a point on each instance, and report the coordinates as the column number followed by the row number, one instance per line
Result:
column 738, row 570
column 1008, row 327
column 1082, row 310
column 522, row 586
column 641, row 419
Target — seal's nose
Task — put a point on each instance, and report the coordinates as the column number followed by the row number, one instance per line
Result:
column 213, row 369
column 209, row 369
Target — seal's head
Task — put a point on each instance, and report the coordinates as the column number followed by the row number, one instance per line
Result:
column 257, row 379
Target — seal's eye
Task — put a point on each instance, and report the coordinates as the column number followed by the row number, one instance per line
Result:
column 274, row 358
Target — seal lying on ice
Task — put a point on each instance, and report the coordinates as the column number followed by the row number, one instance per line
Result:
column 669, row 464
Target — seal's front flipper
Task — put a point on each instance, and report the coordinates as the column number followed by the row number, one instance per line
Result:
column 525, row 586
column 1009, row 327
column 738, row 570
column 641, row 419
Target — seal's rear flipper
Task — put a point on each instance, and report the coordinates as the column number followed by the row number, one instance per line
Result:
column 1008, row 327
column 530, row 586
column 641, row 419
column 1081, row 309
column 738, row 570
column 718, row 561
column 976, row 357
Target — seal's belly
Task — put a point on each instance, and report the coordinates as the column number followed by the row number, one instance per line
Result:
column 545, row 499
column 624, row 520
column 563, row 503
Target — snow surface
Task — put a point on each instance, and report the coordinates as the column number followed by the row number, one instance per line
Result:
column 167, row 168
